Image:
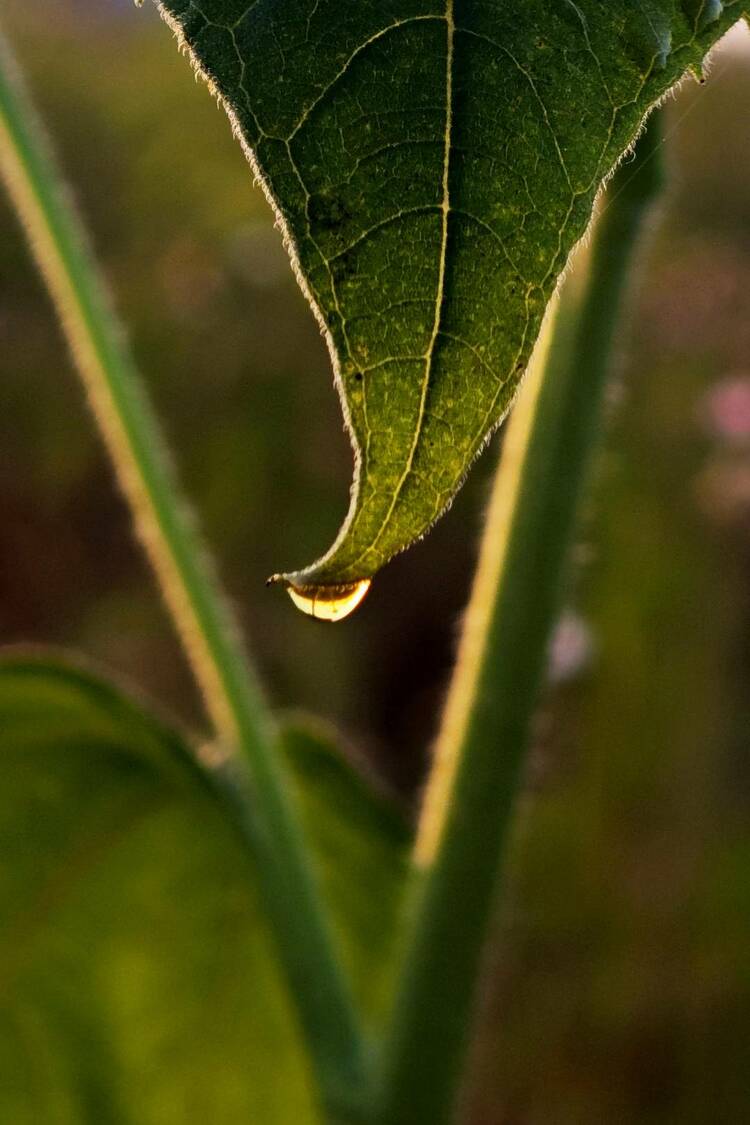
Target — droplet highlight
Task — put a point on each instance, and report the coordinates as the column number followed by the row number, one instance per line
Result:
column 329, row 603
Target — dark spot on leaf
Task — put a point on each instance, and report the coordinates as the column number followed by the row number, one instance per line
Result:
column 327, row 210
column 343, row 267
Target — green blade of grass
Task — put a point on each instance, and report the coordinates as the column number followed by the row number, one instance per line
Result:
column 470, row 798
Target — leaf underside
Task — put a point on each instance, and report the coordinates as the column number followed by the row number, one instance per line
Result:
column 432, row 163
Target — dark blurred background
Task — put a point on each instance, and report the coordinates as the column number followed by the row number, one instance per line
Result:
column 620, row 990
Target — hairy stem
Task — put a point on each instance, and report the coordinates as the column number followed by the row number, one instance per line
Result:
column 513, row 606
column 199, row 611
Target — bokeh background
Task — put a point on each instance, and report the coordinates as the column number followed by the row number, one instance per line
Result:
column 619, row 986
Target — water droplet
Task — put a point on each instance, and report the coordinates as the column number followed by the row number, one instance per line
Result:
column 329, row 603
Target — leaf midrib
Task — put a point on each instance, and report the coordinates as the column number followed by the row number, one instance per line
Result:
column 445, row 207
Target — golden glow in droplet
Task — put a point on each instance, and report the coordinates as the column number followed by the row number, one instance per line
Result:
column 329, row 603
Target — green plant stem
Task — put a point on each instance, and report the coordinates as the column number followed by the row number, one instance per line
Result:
column 502, row 656
column 200, row 613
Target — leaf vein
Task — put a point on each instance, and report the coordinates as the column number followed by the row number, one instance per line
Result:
column 445, row 208
column 352, row 57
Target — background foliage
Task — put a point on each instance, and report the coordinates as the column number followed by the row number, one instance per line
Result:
column 622, row 976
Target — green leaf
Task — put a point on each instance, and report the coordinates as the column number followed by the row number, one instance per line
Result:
column 432, row 162
column 138, row 983
column 361, row 845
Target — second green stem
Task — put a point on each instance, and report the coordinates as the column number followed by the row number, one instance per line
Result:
column 514, row 603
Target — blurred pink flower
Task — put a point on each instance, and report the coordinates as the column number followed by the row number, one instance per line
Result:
column 727, row 408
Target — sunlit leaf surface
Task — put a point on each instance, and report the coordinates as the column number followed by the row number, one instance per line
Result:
column 432, row 163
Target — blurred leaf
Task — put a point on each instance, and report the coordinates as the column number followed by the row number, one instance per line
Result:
column 137, row 978
column 361, row 844
column 432, row 165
